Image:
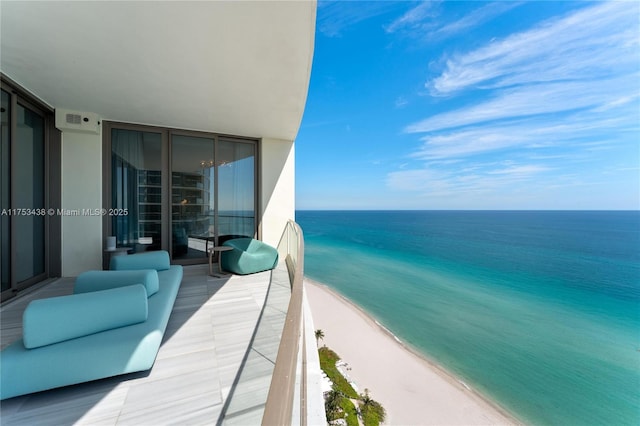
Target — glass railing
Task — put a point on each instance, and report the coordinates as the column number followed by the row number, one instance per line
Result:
column 267, row 385
column 287, row 387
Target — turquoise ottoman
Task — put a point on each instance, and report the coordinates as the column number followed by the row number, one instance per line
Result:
column 248, row 256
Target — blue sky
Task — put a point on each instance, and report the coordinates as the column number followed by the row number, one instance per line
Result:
column 472, row 105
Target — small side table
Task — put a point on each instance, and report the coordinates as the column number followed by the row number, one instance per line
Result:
column 206, row 239
column 219, row 250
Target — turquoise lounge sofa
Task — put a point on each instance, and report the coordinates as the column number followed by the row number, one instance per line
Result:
column 113, row 324
column 248, row 256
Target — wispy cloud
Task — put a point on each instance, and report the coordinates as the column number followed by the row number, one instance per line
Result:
column 401, row 102
column 565, row 76
column 412, row 18
column 425, row 21
column 536, row 99
column 456, row 182
column 586, row 44
column 335, row 16
column 521, row 170
column 541, row 136
column 515, row 112
column 475, row 18
column 494, row 186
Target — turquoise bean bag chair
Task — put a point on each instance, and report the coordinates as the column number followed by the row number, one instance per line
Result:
column 248, row 256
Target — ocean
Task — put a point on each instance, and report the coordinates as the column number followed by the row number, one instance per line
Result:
column 537, row 310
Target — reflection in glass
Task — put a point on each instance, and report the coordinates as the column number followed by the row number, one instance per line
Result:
column 136, row 173
column 28, row 175
column 211, row 193
column 5, row 236
column 192, row 196
column 236, row 189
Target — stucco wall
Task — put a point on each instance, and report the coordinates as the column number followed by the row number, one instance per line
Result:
column 277, row 187
column 81, row 189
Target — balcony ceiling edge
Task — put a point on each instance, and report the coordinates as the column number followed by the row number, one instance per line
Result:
column 230, row 67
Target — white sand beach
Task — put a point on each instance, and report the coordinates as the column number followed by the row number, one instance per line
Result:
column 413, row 390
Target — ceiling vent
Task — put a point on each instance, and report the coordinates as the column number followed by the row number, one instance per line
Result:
column 74, row 121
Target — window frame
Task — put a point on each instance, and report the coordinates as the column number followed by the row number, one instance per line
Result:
column 52, row 186
column 166, row 213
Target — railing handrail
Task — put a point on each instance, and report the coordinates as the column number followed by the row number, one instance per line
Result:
column 279, row 406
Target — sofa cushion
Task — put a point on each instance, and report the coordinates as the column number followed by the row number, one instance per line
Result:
column 104, row 280
column 158, row 260
column 53, row 320
column 96, row 356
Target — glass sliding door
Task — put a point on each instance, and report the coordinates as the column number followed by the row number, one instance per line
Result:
column 184, row 191
column 5, row 194
column 136, row 188
column 23, row 194
column 236, row 188
column 28, row 174
column 193, row 227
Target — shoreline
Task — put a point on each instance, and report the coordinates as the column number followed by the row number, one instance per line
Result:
column 464, row 405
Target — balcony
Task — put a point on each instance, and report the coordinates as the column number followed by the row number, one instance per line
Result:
column 227, row 343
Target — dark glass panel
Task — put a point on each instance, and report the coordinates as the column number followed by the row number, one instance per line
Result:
column 192, row 196
column 28, row 179
column 236, row 189
column 5, row 191
column 136, row 173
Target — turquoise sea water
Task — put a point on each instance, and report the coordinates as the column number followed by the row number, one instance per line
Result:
column 540, row 311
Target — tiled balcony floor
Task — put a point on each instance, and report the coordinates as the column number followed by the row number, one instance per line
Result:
column 206, row 341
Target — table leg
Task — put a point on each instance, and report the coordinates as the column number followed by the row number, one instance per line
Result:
column 220, row 273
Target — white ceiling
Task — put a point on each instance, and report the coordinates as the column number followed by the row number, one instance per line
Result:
column 238, row 67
